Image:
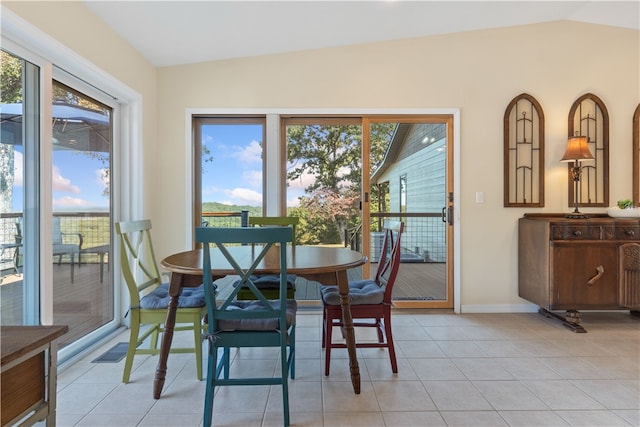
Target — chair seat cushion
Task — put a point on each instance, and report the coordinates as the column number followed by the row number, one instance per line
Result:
column 269, row 284
column 159, row 298
column 271, row 281
column 249, row 324
column 361, row 292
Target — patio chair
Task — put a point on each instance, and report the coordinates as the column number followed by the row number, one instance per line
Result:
column 149, row 298
column 10, row 253
column 259, row 323
column 370, row 299
column 66, row 244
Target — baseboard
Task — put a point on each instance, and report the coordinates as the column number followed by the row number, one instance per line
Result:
column 499, row 308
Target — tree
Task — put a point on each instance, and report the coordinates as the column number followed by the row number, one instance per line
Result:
column 332, row 154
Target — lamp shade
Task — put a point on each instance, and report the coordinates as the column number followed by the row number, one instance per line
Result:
column 577, row 150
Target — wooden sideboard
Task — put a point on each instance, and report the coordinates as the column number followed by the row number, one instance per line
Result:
column 579, row 264
column 28, row 374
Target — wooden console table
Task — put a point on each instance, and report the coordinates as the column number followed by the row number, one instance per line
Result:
column 28, row 374
column 579, row 264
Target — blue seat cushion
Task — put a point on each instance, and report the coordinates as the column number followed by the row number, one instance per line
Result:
column 159, row 298
column 361, row 292
column 249, row 324
column 270, row 281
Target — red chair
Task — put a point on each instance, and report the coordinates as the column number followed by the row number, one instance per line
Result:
column 370, row 299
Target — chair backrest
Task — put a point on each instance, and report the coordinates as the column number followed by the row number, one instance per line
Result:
column 264, row 241
column 389, row 259
column 137, row 258
column 282, row 221
column 57, row 233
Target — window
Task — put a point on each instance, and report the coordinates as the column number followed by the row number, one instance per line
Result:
column 228, row 172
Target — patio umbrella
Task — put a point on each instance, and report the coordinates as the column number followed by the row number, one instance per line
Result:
column 74, row 127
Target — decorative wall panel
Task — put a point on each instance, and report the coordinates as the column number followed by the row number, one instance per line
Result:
column 589, row 117
column 524, row 153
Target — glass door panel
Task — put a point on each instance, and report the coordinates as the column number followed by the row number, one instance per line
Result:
column 16, row 307
column 81, row 231
column 408, row 182
column 324, row 175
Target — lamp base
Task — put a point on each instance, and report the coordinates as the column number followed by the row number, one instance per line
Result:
column 576, row 215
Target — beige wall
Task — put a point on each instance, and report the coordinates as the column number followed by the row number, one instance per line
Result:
column 478, row 72
column 75, row 26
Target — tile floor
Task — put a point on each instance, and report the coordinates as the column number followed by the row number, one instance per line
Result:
column 454, row 370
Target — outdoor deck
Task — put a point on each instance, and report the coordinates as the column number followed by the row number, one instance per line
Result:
column 86, row 303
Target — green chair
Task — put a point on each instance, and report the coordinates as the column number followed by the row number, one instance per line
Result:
column 269, row 284
column 258, row 323
column 149, row 298
column 282, row 221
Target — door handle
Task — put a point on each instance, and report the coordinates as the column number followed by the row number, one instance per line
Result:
column 447, row 214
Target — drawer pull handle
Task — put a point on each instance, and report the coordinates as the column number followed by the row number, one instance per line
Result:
column 631, row 233
column 577, row 233
column 594, row 279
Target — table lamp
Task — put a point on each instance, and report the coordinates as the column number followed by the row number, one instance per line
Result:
column 576, row 152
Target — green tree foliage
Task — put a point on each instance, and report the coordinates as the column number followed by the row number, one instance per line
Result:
column 332, row 154
column 10, row 78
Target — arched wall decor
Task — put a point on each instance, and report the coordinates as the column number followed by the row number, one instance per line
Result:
column 524, row 153
column 589, row 117
column 636, row 156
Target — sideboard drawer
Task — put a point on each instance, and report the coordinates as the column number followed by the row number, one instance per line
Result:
column 576, row 232
column 627, row 232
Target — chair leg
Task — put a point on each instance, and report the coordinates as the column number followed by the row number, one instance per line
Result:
column 327, row 349
column 379, row 329
column 197, row 336
column 134, row 332
column 324, row 327
column 212, row 364
column 285, row 384
column 390, row 345
column 292, row 352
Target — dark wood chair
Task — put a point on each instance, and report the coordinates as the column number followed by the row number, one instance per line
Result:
column 370, row 299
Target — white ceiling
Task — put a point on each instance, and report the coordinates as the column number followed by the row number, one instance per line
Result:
column 181, row 32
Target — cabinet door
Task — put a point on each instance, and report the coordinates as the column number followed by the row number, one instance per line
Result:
column 584, row 276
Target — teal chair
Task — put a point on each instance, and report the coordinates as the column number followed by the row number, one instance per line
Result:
column 149, row 298
column 237, row 324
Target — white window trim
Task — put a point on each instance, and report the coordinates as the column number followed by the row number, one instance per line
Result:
column 34, row 45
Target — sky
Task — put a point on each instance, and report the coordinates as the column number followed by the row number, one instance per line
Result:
column 78, row 182
column 234, row 176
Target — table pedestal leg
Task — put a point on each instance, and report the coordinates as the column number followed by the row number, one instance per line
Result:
column 348, row 331
column 167, row 337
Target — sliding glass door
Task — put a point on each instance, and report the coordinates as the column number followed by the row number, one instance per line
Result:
column 83, row 295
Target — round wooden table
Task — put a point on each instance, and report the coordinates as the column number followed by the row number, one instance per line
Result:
column 326, row 265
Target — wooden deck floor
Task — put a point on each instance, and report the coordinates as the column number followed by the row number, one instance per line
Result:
column 86, row 304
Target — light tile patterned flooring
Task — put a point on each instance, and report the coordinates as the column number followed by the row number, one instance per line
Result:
column 454, row 370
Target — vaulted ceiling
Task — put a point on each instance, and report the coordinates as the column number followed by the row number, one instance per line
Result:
column 180, row 32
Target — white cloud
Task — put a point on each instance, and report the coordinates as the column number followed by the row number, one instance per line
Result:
column 251, row 153
column 102, row 177
column 253, row 178
column 70, row 202
column 63, row 184
column 244, row 196
column 303, row 182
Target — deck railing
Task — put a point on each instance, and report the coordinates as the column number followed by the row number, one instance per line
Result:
column 423, row 240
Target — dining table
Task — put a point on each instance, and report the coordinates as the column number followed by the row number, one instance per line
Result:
column 323, row 264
